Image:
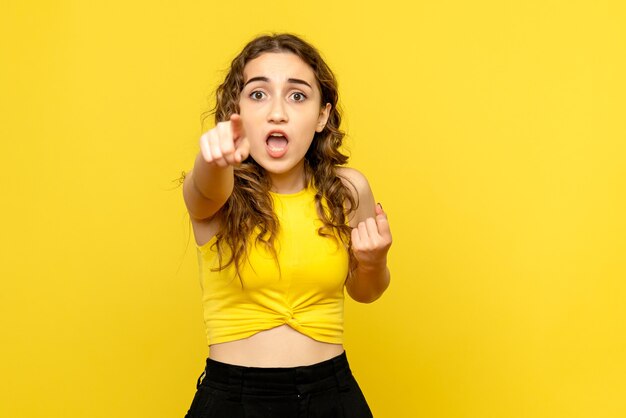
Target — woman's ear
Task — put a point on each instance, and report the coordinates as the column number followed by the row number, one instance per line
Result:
column 323, row 117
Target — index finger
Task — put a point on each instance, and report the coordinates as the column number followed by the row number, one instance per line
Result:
column 236, row 124
column 379, row 209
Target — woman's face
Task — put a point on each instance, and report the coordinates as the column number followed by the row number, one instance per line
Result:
column 281, row 109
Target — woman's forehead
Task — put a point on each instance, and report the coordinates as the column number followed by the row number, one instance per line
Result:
column 278, row 67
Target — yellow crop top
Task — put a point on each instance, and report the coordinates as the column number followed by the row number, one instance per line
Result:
column 307, row 294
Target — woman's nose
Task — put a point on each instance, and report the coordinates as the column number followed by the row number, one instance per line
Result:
column 278, row 113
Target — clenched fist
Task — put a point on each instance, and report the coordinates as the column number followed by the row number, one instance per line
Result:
column 371, row 239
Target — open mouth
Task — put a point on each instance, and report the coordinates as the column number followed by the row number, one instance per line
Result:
column 277, row 144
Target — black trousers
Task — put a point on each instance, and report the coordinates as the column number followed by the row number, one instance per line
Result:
column 322, row 390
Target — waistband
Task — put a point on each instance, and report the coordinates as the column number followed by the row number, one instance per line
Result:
column 243, row 380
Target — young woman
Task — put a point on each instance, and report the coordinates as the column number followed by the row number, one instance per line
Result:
column 281, row 229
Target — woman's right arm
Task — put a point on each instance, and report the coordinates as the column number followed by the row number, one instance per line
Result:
column 211, row 181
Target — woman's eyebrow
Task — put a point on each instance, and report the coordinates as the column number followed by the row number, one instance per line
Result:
column 253, row 79
column 298, row 81
column 267, row 80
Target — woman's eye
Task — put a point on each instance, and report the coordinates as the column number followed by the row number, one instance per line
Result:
column 257, row 95
column 298, row 97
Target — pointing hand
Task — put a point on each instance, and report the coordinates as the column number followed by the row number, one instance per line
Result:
column 226, row 144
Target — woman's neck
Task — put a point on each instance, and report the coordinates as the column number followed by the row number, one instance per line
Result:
column 289, row 182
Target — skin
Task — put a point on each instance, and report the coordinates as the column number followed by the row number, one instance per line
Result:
column 281, row 93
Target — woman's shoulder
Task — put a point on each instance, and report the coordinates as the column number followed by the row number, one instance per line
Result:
column 353, row 179
column 357, row 183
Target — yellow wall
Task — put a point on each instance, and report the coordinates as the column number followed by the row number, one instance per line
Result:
column 493, row 132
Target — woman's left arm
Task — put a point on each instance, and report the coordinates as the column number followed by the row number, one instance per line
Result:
column 371, row 239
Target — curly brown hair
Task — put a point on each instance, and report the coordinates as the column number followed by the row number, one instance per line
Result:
column 250, row 204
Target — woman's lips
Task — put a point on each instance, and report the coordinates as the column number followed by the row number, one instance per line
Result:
column 276, row 144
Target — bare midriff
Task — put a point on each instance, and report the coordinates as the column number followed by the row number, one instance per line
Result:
column 282, row 346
